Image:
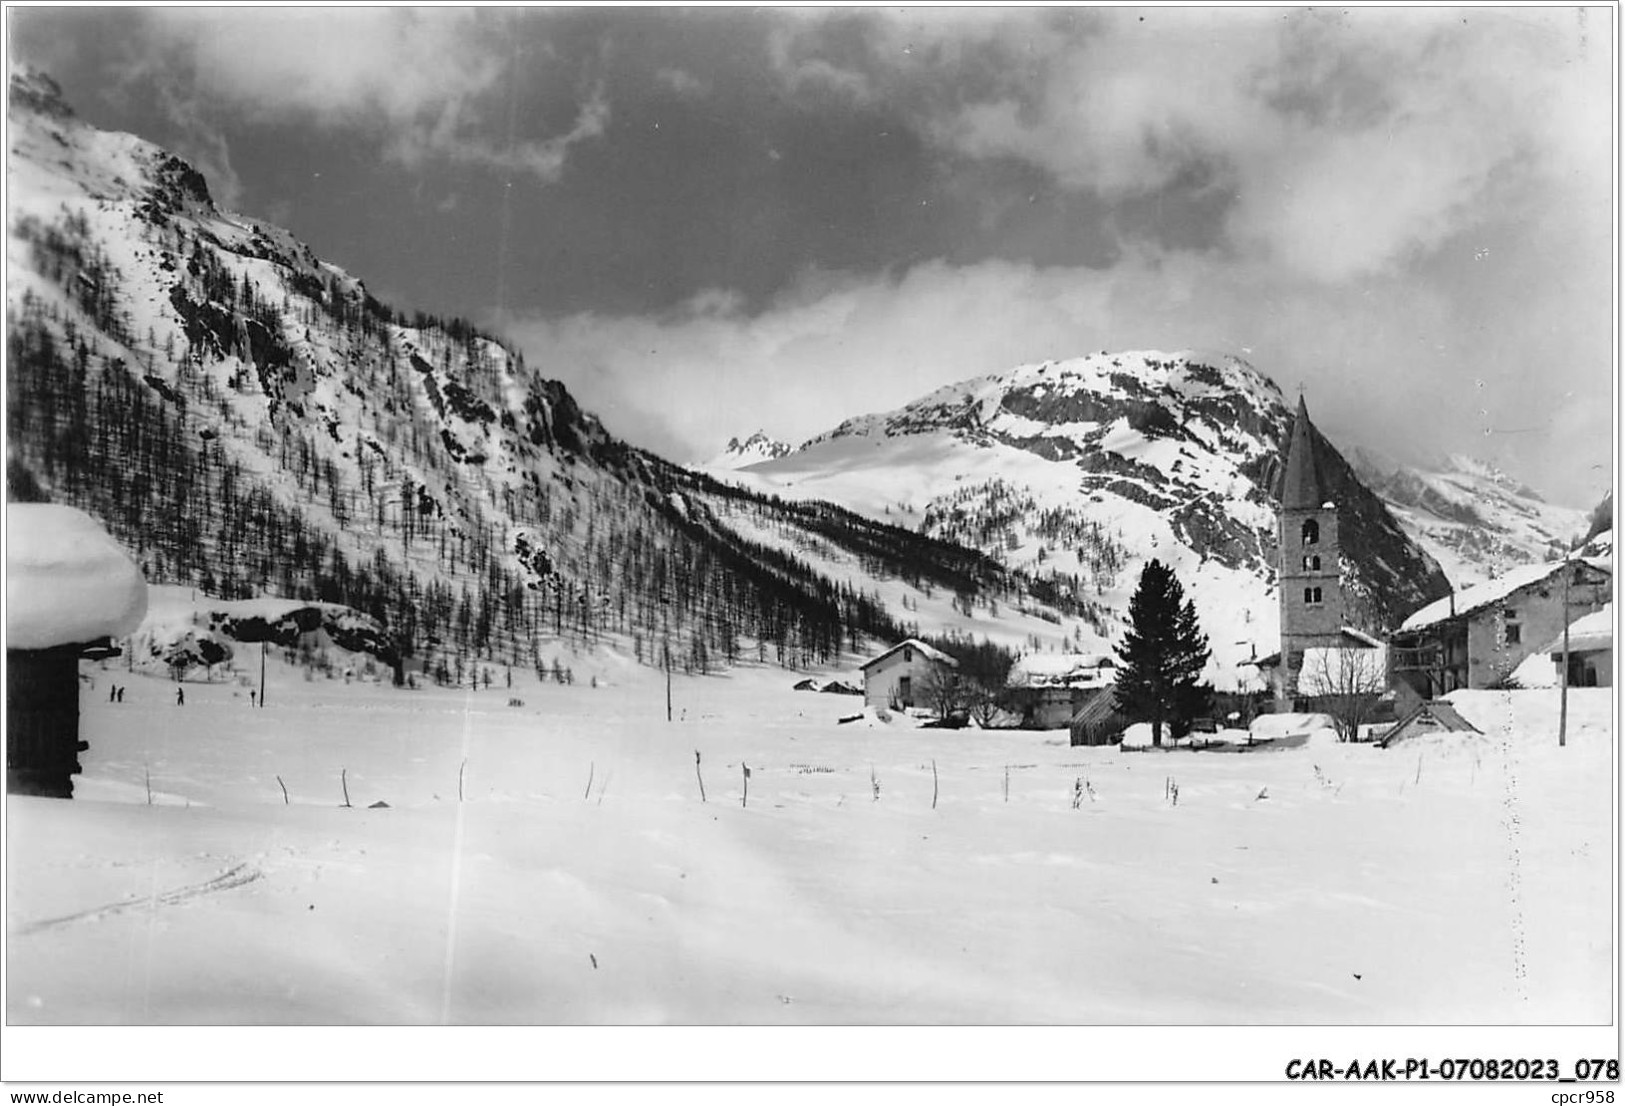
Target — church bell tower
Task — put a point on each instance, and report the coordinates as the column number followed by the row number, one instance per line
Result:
column 1309, row 575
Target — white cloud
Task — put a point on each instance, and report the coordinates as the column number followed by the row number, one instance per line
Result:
column 449, row 137
column 203, row 146
column 682, row 82
column 1351, row 140
column 1384, row 367
column 1113, row 107
column 330, row 63
column 425, row 78
column 801, row 72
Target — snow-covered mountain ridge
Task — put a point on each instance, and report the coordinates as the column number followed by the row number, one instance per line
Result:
column 247, row 419
column 1080, row 470
column 1476, row 520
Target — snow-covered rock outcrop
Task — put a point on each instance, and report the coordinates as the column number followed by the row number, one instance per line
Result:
column 185, row 629
column 754, row 450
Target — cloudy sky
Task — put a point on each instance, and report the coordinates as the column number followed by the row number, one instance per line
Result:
column 712, row 220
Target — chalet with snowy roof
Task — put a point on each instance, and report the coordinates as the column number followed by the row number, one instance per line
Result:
column 899, row 676
column 1476, row 637
column 1048, row 689
column 1590, row 650
column 70, row 590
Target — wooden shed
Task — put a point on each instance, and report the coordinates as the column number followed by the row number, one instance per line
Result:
column 69, row 590
column 1098, row 721
column 42, row 717
column 1434, row 716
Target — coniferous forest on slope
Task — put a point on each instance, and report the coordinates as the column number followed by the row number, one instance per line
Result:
column 471, row 574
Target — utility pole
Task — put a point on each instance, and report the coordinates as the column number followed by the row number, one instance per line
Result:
column 262, row 675
column 1563, row 671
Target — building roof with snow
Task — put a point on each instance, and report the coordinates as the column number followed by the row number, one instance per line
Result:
column 1433, row 716
column 1489, row 593
column 1351, row 639
column 1359, row 638
column 1085, row 670
column 1592, row 632
column 929, row 652
column 67, row 581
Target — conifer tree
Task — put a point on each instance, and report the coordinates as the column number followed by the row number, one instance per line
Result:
column 1162, row 656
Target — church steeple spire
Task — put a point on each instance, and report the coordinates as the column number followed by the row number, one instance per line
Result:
column 1310, row 570
column 1303, row 487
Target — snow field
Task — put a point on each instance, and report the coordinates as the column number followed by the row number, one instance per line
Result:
column 1450, row 882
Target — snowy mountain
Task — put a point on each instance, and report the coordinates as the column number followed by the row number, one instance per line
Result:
column 1474, row 519
column 1078, row 471
column 752, row 451
column 248, row 420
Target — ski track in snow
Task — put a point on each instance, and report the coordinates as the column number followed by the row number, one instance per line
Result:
column 239, row 876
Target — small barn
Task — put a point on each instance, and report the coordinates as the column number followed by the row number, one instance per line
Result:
column 70, row 589
column 1434, row 716
column 1476, row 637
column 1097, row 722
column 1591, row 650
column 901, row 675
column 1047, row 689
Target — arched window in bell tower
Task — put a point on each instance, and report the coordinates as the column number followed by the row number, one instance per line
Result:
column 1311, row 532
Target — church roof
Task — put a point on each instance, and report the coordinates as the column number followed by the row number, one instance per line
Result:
column 1304, row 485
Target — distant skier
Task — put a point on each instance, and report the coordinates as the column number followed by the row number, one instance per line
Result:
column 121, row 695
column 251, row 701
column 112, row 693
column 180, row 696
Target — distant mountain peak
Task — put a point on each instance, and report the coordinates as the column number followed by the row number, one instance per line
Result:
column 1474, row 518
column 753, row 450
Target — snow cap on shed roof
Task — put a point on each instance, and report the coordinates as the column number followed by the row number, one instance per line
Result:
column 67, row 581
column 930, row 653
column 1491, row 591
